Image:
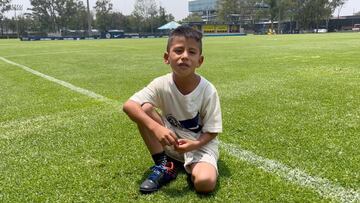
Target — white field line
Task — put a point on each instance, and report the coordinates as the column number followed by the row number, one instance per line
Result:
column 322, row 186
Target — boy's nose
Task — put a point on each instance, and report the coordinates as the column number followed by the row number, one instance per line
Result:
column 185, row 54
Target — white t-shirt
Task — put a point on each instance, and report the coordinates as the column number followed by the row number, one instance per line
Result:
column 198, row 111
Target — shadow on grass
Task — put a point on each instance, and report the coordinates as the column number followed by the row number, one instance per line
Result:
column 224, row 172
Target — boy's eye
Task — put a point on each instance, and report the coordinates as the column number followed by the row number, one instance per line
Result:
column 178, row 51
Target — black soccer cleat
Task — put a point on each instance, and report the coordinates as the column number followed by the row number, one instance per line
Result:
column 161, row 175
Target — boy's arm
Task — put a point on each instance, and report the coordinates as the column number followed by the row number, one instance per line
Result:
column 186, row 145
column 137, row 114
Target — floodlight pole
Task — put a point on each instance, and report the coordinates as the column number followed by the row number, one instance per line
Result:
column 17, row 7
column 88, row 18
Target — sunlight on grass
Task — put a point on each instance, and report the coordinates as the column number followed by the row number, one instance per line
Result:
column 290, row 98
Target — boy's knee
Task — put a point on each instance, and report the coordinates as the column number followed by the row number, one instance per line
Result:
column 204, row 184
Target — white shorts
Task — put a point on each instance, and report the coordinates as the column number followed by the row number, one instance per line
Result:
column 208, row 153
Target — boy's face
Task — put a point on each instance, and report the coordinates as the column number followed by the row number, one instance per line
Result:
column 184, row 56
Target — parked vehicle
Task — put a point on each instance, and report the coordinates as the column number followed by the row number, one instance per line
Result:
column 321, row 30
column 356, row 27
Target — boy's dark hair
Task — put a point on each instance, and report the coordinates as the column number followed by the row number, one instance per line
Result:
column 188, row 33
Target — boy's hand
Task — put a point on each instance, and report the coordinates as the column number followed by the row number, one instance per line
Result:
column 165, row 136
column 186, row 145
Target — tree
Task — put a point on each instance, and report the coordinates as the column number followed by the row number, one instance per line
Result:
column 66, row 11
column 226, row 8
column 273, row 11
column 334, row 4
column 43, row 10
column 309, row 14
column 103, row 10
column 80, row 21
column 4, row 6
column 285, row 11
column 144, row 13
column 119, row 21
column 164, row 17
column 29, row 23
column 193, row 17
column 331, row 6
column 261, row 11
column 279, row 10
column 55, row 15
column 241, row 12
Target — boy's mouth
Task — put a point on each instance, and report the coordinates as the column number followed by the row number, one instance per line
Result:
column 183, row 65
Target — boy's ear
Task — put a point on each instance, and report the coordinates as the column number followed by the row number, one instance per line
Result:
column 201, row 60
column 166, row 58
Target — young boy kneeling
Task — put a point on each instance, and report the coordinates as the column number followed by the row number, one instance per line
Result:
column 190, row 119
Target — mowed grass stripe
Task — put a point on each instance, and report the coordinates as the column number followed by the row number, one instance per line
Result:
column 45, row 53
column 75, row 157
column 323, row 186
column 83, row 51
column 61, row 82
column 22, row 127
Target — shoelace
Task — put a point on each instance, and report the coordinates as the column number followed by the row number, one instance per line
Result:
column 157, row 170
column 170, row 170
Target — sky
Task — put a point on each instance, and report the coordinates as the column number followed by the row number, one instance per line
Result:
column 179, row 8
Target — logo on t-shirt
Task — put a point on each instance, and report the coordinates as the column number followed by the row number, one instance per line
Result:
column 192, row 124
column 173, row 121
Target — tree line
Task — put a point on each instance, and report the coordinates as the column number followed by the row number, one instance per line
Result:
column 306, row 13
column 57, row 15
column 54, row 16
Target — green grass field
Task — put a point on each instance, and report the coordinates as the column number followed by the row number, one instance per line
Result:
column 291, row 116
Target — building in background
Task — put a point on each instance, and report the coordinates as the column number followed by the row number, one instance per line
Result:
column 209, row 26
column 205, row 8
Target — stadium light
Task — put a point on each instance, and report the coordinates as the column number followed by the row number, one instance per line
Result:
column 16, row 7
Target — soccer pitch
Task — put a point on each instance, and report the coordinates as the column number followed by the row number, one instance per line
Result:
column 290, row 105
